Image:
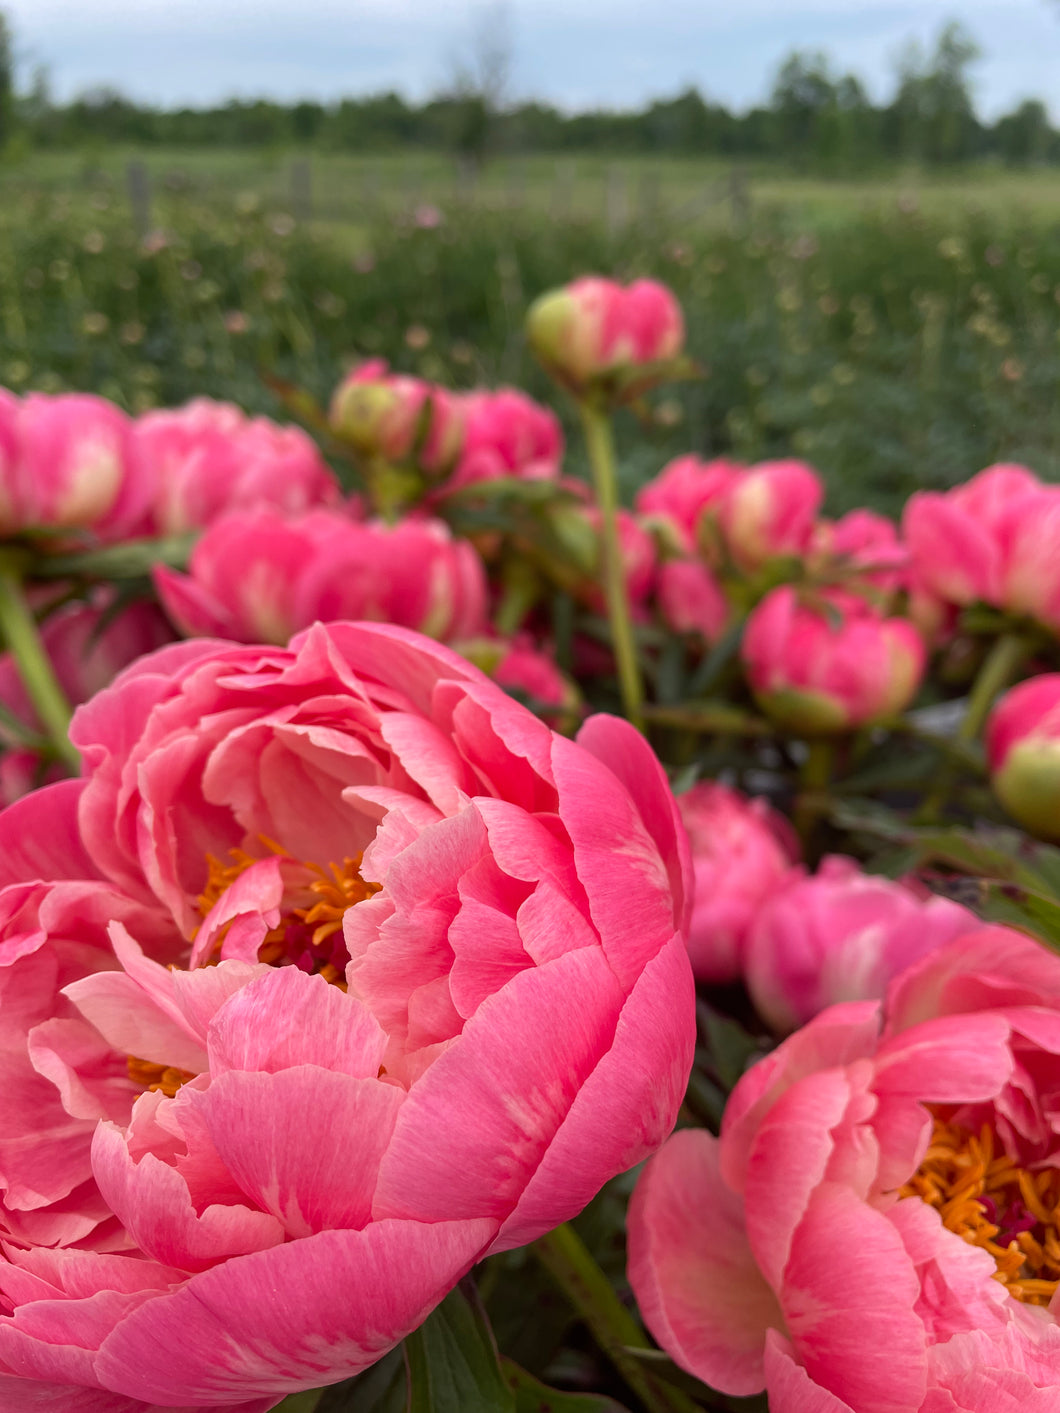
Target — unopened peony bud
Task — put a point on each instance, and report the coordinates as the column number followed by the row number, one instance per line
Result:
column 832, row 665
column 382, row 414
column 768, row 512
column 594, row 330
column 1023, row 751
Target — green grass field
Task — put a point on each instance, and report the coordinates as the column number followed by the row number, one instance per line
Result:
column 897, row 333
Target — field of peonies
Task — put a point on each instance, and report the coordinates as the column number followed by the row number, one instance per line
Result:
column 479, row 945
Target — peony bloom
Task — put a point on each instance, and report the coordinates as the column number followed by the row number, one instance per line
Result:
column 863, row 546
column 65, row 464
column 769, row 512
column 594, row 329
column 743, row 853
column 830, row 665
column 680, row 493
column 994, row 540
column 507, row 434
column 207, row 458
column 840, row 935
column 260, row 576
column 876, row 1229
column 1023, row 751
column 691, row 600
column 398, row 418
column 424, row 1008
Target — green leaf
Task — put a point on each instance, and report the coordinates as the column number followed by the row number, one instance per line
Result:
column 452, row 1361
column 532, row 1396
column 304, row 1402
column 1020, row 907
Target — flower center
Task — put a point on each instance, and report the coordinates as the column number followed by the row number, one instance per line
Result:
column 309, row 934
column 1009, row 1211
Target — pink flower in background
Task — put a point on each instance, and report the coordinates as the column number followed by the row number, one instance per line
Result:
column 865, row 544
column 682, row 490
column 507, row 434
column 1023, row 751
column 840, row 935
column 876, row 1231
column 830, row 664
column 594, row 328
column 743, row 852
column 768, row 512
column 516, row 1025
column 638, row 559
column 65, row 463
column 394, row 416
column 207, row 458
column 996, row 539
column 691, row 599
column 526, row 671
column 261, row 576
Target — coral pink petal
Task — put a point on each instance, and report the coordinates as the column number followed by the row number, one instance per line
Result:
column 297, row 1316
column 40, row 838
column 696, row 1282
column 475, row 1126
column 275, row 1133
column 791, row 1390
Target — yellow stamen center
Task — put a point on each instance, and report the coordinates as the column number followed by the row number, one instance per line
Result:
column 1011, row 1212
column 308, row 935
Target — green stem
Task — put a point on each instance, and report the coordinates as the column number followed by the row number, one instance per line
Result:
column 815, row 776
column 618, row 1333
column 1002, row 663
column 1000, row 666
column 597, row 427
column 19, row 630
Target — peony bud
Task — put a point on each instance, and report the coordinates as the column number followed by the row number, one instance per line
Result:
column 682, row 490
column 507, row 434
column 381, row 414
column 832, row 665
column 742, row 853
column 768, row 512
column 841, row 935
column 594, row 330
column 1023, row 752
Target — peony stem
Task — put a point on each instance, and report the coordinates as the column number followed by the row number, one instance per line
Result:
column 19, row 630
column 1002, row 663
column 999, row 667
column 815, row 776
column 618, row 1333
column 597, row 426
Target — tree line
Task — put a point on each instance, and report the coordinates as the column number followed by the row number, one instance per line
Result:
column 814, row 119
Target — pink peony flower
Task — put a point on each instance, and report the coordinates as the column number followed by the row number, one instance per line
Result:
column 260, row 576
column 510, row 1025
column 594, row 328
column 507, row 434
column 876, row 1229
column 691, row 600
column 743, row 852
column 65, row 464
column 995, row 539
column 831, row 665
column 682, row 490
column 840, row 935
column 769, row 512
column 395, row 417
column 1023, row 751
column 865, row 546
column 207, row 458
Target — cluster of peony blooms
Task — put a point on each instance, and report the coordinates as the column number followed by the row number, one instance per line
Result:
column 351, row 939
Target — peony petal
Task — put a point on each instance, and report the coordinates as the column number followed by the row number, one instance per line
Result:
column 696, row 1282
column 308, row 1313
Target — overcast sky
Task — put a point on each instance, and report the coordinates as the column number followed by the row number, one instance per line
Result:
column 573, row 52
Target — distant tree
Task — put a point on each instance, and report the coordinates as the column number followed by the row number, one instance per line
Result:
column 479, row 89
column 1024, row 136
column 7, row 82
column 932, row 117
